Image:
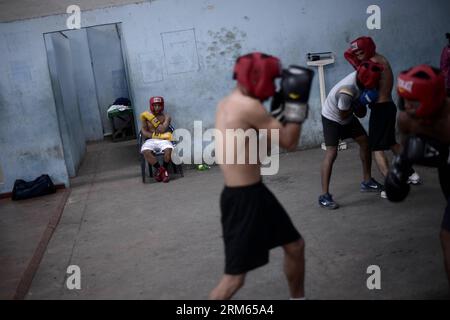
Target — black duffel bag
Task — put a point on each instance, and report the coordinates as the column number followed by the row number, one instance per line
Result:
column 39, row 187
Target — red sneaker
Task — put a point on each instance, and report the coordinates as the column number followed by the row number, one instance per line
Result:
column 158, row 174
column 165, row 175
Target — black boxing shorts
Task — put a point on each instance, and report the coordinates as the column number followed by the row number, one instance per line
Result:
column 383, row 117
column 446, row 219
column 444, row 180
column 253, row 222
column 334, row 131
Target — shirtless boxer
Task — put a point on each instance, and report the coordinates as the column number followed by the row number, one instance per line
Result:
column 339, row 122
column 425, row 120
column 154, row 129
column 253, row 221
column 384, row 112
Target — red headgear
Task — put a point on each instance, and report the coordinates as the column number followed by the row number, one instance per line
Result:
column 425, row 85
column 158, row 100
column 369, row 74
column 365, row 44
column 256, row 72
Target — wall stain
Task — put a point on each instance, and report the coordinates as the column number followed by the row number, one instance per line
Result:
column 51, row 153
column 225, row 44
column 347, row 37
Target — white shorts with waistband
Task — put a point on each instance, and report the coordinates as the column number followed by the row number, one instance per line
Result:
column 156, row 145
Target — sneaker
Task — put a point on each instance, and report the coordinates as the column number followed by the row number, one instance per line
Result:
column 158, row 174
column 326, row 201
column 414, row 179
column 165, row 175
column 383, row 194
column 371, row 186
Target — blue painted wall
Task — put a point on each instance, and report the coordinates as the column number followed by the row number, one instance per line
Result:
column 185, row 52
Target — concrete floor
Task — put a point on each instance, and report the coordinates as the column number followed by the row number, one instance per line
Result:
column 24, row 226
column 163, row 241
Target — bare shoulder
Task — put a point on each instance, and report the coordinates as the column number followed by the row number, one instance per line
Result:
column 378, row 58
column 238, row 104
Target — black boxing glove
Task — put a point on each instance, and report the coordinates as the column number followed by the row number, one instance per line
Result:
column 359, row 109
column 395, row 184
column 277, row 106
column 295, row 88
column 425, row 151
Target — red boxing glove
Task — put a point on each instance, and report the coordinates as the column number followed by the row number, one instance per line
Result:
column 351, row 57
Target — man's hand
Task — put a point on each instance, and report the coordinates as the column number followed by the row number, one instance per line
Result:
column 369, row 97
column 425, row 151
column 359, row 109
column 396, row 185
column 295, row 89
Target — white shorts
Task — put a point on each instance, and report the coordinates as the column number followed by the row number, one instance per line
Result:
column 156, row 145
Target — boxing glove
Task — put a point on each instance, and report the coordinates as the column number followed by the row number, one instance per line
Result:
column 150, row 117
column 351, row 58
column 360, row 110
column 295, row 88
column 368, row 97
column 277, row 106
column 163, row 136
column 425, row 151
column 395, row 184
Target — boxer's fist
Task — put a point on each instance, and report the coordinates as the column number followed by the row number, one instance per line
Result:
column 277, row 106
column 368, row 97
column 425, row 151
column 295, row 88
column 396, row 185
column 360, row 110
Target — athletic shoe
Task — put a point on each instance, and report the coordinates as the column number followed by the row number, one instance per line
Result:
column 383, row 194
column 371, row 186
column 158, row 174
column 414, row 179
column 326, row 201
column 165, row 175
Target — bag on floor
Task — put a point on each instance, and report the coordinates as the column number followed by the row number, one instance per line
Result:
column 39, row 187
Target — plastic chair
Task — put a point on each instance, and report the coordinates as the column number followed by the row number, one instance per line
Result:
column 144, row 164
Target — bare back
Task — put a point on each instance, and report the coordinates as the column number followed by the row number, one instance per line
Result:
column 387, row 79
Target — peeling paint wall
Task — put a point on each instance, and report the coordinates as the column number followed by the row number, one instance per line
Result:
column 185, row 51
